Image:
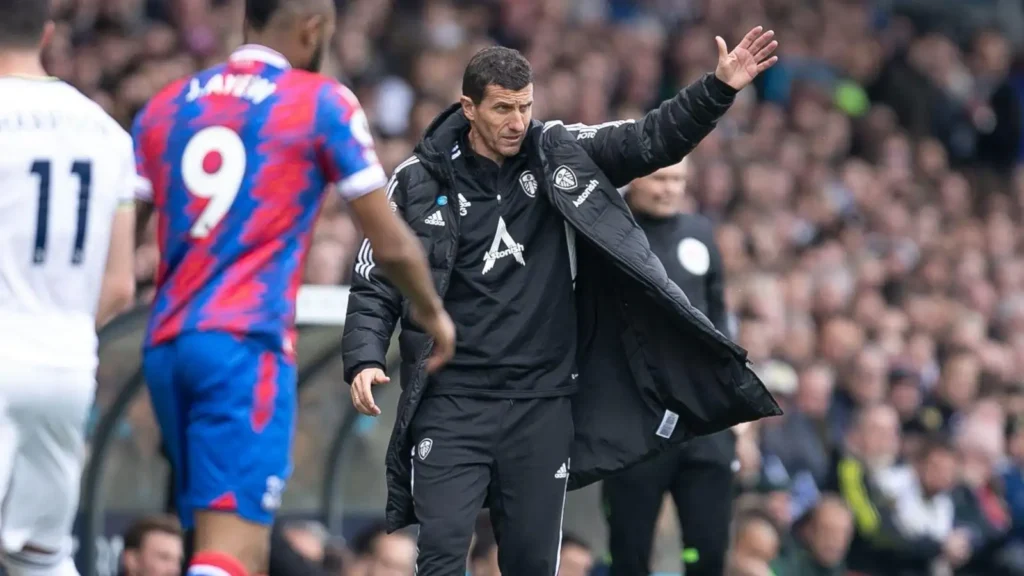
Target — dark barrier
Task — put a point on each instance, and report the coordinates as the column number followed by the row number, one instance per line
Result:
column 333, row 489
column 332, row 499
column 92, row 509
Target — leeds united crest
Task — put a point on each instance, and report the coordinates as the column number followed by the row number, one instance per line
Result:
column 424, row 448
column 565, row 178
column 529, row 183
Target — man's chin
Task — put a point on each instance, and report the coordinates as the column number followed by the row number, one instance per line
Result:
column 664, row 211
column 508, row 149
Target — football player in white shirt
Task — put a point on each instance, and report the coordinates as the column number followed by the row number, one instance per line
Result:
column 67, row 180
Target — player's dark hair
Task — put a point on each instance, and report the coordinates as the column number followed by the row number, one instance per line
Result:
column 495, row 65
column 22, row 22
column 259, row 12
column 159, row 523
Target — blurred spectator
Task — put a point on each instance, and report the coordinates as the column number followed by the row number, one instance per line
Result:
column 1013, row 476
column 980, row 506
column 922, row 514
column 378, row 553
column 823, row 541
column 576, row 558
column 483, row 557
column 309, row 539
column 755, row 544
column 868, row 199
column 298, row 549
column 153, row 547
column 802, row 438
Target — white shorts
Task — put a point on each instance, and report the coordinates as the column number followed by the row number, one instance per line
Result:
column 42, row 448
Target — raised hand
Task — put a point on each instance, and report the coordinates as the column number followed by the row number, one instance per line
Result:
column 749, row 58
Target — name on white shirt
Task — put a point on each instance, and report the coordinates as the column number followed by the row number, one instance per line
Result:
column 256, row 89
column 42, row 120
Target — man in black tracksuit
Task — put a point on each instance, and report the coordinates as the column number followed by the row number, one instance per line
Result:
column 553, row 291
column 699, row 474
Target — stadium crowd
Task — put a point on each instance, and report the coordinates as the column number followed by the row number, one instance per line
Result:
column 868, row 207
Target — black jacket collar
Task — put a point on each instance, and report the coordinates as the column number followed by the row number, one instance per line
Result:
column 442, row 135
column 445, row 134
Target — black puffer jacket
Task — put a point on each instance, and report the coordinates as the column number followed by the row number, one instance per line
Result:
column 653, row 371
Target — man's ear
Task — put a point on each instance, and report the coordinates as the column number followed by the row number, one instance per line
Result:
column 130, row 559
column 312, row 30
column 48, row 32
column 468, row 108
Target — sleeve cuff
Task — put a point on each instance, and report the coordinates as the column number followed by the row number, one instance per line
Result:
column 351, row 374
column 143, row 189
column 719, row 89
column 362, row 183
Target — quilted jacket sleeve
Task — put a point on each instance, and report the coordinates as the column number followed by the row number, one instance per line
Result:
column 627, row 150
column 374, row 304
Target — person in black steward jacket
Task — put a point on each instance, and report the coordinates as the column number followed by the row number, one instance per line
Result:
column 576, row 356
column 698, row 475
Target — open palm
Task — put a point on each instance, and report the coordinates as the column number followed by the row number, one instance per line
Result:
column 749, row 58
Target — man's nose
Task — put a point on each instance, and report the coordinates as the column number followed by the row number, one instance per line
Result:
column 518, row 122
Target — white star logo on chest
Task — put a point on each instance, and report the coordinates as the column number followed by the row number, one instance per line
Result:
column 496, row 252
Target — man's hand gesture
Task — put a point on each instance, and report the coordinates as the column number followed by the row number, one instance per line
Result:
column 362, row 395
column 751, row 56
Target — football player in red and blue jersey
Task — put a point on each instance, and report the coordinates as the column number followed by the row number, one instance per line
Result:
column 238, row 158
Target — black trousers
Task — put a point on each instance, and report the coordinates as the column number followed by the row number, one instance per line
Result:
column 511, row 456
column 702, row 491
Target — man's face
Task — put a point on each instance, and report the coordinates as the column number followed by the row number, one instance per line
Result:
column 394, row 555
column 575, row 561
column 830, row 535
column 759, row 540
column 939, row 472
column 661, row 194
column 870, row 377
column 159, row 555
column 500, row 120
column 879, row 437
column 815, row 392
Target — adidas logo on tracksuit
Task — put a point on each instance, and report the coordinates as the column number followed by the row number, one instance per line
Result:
column 435, row 219
column 563, row 472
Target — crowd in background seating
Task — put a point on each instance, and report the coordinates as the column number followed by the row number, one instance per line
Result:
column 868, row 199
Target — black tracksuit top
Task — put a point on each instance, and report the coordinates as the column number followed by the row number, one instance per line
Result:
column 510, row 294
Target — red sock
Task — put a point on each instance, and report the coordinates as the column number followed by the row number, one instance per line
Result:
column 215, row 564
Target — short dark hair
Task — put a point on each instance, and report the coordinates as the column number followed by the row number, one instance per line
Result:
column 935, row 444
column 259, row 12
column 137, row 532
column 752, row 516
column 570, row 539
column 495, row 65
column 366, row 540
column 22, row 22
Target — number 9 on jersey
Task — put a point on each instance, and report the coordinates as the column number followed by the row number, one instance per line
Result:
column 212, row 167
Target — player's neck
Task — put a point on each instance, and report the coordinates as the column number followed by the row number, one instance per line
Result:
column 267, row 40
column 21, row 63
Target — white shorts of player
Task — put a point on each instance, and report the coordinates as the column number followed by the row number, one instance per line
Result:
column 42, row 449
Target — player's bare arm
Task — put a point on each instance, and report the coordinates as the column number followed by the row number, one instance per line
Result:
column 143, row 212
column 118, row 291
